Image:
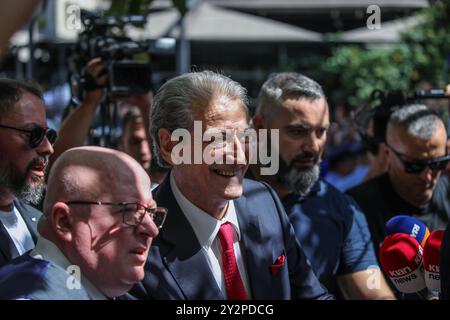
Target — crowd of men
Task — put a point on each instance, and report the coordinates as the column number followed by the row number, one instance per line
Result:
column 114, row 225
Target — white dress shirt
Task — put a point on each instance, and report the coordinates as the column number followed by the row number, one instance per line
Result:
column 206, row 229
column 17, row 230
column 47, row 250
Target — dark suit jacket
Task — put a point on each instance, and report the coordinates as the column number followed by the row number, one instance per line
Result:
column 178, row 269
column 31, row 217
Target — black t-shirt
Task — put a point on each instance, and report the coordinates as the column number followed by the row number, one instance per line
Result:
column 380, row 202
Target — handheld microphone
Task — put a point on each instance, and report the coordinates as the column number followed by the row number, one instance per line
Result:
column 401, row 260
column 431, row 261
column 410, row 226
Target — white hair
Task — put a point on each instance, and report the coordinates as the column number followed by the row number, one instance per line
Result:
column 174, row 103
column 417, row 119
column 280, row 86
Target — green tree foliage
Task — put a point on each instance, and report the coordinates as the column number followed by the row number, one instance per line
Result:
column 353, row 72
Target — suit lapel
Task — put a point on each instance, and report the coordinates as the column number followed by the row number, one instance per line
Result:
column 31, row 217
column 7, row 247
column 181, row 251
column 257, row 254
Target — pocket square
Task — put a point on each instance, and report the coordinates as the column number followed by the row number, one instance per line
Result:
column 279, row 263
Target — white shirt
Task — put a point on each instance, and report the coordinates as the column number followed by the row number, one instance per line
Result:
column 17, row 230
column 46, row 250
column 206, row 229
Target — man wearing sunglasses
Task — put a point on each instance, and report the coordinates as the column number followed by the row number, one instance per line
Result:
column 98, row 224
column 416, row 154
column 25, row 145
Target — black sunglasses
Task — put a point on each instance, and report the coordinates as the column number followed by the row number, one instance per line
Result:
column 37, row 135
column 418, row 165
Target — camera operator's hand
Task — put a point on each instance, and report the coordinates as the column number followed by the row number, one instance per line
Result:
column 75, row 128
column 96, row 79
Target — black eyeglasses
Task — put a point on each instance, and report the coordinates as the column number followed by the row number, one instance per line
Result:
column 418, row 165
column 132, row 213
column 36, row 135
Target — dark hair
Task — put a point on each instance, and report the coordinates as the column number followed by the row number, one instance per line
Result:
column 133, row 115
column 11, row 91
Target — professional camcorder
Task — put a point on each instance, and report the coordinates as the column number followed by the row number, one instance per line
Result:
column 128, row 67
column 386, row 103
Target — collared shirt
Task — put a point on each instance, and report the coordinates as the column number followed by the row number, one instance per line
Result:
column 17, row 230
column 206, row 229
column 332, row 230
column 47, row 250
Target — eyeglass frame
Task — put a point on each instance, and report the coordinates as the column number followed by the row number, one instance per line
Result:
column 34, row 145
column 123, row 204
column 243, row 136
column 421, row 162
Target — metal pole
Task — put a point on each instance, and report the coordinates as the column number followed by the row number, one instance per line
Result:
column 31, row 49
column 18, row 64
column 183, row 50
column 184, row 45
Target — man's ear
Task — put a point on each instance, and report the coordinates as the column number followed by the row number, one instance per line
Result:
column 258, row 121
column 384, row 151
column 166, row 144
column 62, row 222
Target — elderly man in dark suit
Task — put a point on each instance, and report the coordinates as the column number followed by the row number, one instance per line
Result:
column 225, row 237
column 25, row 144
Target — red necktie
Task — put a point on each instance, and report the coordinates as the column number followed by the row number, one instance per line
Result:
column 233, row 282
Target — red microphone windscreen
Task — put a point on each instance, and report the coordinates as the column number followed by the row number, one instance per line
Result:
column 401, row 260
column 431, row 260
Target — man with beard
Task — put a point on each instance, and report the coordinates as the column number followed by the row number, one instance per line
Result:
column 25, row 145
column 328, row 224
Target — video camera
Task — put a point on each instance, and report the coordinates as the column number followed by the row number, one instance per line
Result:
column 104, row 37
column 386, row 103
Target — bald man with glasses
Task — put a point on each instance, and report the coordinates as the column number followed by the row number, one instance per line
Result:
column 98, row 224
column 25, row 146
